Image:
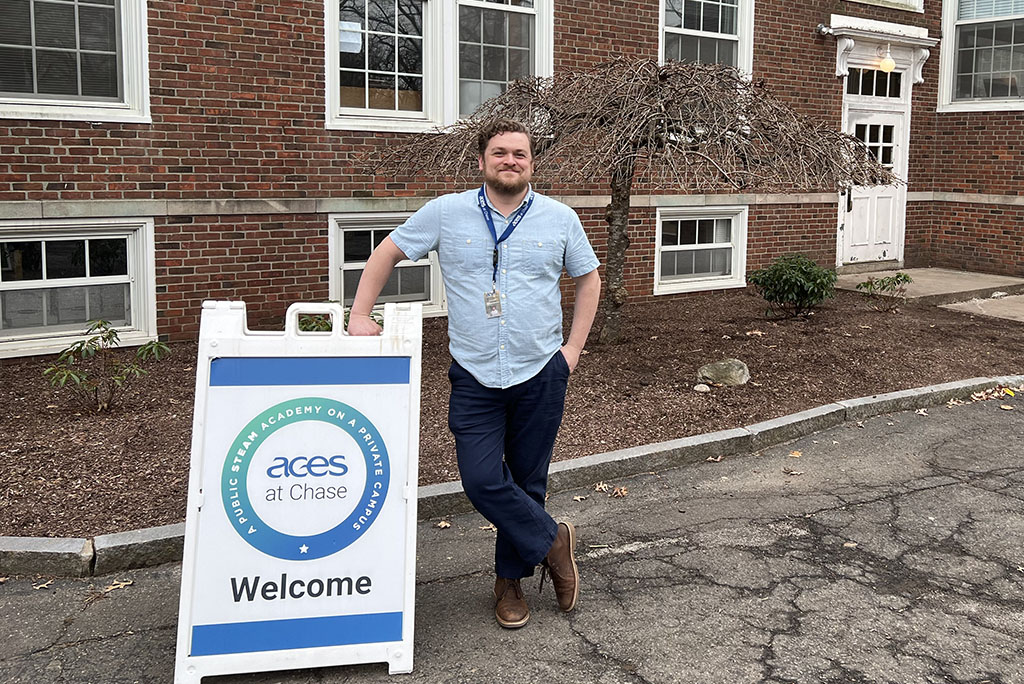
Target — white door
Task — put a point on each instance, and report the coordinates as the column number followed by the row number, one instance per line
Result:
column 872, row 218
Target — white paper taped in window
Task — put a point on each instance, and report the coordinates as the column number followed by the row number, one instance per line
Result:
column 350, row 37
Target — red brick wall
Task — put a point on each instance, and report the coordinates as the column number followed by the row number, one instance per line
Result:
column 978, row 238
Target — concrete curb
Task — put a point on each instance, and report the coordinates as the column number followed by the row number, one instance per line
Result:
column 155, row 545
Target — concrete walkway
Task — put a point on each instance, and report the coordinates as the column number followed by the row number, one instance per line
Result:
column 959, row 290
column 882, row 551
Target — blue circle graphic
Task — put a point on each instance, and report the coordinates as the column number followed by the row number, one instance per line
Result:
column 234, row 478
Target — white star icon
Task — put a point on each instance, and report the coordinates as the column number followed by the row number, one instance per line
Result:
column 303, row 548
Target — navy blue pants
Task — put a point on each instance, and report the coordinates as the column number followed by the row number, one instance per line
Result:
column 503, row 440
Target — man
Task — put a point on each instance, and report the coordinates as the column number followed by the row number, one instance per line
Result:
column 502, row 249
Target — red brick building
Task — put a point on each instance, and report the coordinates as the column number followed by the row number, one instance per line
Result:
column 156, row 154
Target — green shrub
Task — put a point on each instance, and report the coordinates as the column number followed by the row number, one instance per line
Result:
column 95, row 373
column 888, row 293
column 793, row 285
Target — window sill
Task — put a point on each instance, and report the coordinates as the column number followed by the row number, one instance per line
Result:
column 983, row 106
column 73, row 112
column 699, row 285
column 375, row 123
column 54, row 344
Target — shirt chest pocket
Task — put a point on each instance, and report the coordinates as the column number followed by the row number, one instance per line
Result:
column 539, row 257
column 468, row 256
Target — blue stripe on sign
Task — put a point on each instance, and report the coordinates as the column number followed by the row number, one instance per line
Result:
column 280, row 635
column 349, row 370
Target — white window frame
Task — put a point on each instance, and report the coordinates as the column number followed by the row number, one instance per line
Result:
column 947, row 68
column 738, row 278
column 440, row 68
column 134, row 106
column 141, row 275
column 437, row 305
column 744, row 34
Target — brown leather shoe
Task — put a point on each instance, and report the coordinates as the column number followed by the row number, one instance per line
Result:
column 509, row 605
column 561, row 565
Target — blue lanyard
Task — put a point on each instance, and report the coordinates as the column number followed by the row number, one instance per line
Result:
column 516, row 219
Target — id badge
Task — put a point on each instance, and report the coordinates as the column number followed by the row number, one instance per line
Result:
column 492, row 304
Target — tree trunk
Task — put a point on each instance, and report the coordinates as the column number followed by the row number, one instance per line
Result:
column 617, row 216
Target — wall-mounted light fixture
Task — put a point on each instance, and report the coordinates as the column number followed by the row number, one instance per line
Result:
column 888, row 63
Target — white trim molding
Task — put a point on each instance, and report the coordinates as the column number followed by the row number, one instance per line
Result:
column 737, row 277
column 133, row 107
column 910, row 45
column 440, row 66
column 141, row 256
column 947, row 70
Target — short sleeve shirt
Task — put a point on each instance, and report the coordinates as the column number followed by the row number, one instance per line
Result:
column 506, row 350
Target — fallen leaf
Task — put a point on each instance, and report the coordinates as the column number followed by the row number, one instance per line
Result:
column 790, row 471
column 489, row 527
column 43, row 585
column 796, row 454
column 580, row 498
column 864, row 327
column 726, row 337
column 756, row 333
column 4, row 579
column 714, row 459
column 1007, row 390
column 850, row 545
column 1006, row 407
column 654, row 337
column 921, row 412
column 118, row 584
column 601, row 487
column 55, row 406
column 619, row 492
column 444, row 524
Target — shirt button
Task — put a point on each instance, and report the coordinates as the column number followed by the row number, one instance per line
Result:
column 540, row 244
column 502, row 346
column 503, row 321
column 502, row 295
column 502, row 270
column 469, row 242
column 504, row 246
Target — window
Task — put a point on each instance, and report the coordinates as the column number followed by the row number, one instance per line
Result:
column 985, row 67
column 709, row 31
column 700, row 249
column 56, row 276
column 354, row 237
column 874, row 83
column 74, row 59
column 879, row 140
column 397, row 67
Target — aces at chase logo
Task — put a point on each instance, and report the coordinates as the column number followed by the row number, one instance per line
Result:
column 305, row 478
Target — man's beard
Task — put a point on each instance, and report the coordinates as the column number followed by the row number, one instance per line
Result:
column 499, row 185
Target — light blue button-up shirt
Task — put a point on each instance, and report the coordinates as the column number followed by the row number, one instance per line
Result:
column 512, row 348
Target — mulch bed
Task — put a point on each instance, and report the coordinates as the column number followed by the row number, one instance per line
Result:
column 69, row 472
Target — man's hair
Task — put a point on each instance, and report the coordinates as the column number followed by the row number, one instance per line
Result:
column 497, row 128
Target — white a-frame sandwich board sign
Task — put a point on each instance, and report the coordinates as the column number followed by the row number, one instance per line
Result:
column 300, row 534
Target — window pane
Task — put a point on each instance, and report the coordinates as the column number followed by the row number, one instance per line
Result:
column 108, row 257
column 390, row 288
column 15, row 70
column 97, row 28
column 469, row 97
column 519, row 30
column 688, row 48
column 687, row 232
column 353, row 11
column 67, row 305
column 410, row 93
column 99, row 75
column 723, row 230
column 381, row 51
column 55, row 25
column 410, row 17
column 57, row 72
column 853, row 82
column 721, row 262
column 381, row 91
column 887, row 132
column 351, row 51
column 349, row 284
column 674, row 13
column 353, row 89
column 670, row 233
column 469, row 60
column 381, row 16
column 518, row 64
column 21, row 261
column 494, row 27
column 410, row 55
column 111, row 303
column 413, row 283
column 14, row 22
column 494, row 64
column 379, row 235
column 21, row 309
column 672, row 46
column 469, row 24
column 65, row 259
column 895, row 80
column 691, row 14
column 489, row 90
column 705, row 231
column 728, row 20
column 709, row 20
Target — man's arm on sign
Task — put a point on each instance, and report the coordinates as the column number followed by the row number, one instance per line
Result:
column 588, row 295
column 375, row 274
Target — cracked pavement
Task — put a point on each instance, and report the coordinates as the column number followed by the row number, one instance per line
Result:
column 882, row 551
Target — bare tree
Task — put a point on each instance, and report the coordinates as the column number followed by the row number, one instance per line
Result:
column 690, row 126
